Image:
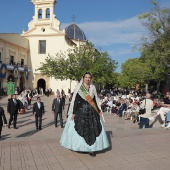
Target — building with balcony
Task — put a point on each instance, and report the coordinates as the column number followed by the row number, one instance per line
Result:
column 14, row 55
column 23, row 54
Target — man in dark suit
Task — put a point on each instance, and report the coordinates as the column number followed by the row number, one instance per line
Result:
column 38, row 109
column 2, row 118
column 57, row 108
column 13, row 109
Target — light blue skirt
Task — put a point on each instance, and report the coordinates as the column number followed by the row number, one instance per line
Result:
column 70, row 139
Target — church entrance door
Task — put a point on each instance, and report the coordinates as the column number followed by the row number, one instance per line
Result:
column 41, row 83
column 22, row 82
column 10, row 78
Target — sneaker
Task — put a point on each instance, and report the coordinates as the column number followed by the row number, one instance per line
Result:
column 163, row 125
column 167, row 127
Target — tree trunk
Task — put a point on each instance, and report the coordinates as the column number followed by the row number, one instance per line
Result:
column 70, row 85
column 158, row 84
column 146, row 87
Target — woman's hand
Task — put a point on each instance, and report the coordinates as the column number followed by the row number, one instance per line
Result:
column 101, row 113
column 72, row 118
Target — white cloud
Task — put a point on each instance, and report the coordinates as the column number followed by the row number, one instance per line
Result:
column 116, row 37
column 127, row 31
column 119, row 52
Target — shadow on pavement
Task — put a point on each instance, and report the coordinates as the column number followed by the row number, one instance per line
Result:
column 27, row 134
column 3, row 137
column 19, row 122
column 49, row 124
column 32, row 132
column 25, row 116
column 32, row 122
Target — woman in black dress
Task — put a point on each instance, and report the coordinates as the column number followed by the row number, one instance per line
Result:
column 84, row 130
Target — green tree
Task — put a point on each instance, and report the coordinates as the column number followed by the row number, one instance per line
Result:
column 155, row 49
column 157, row 22
column 72, row 64
column 157, row 62
column 134, row 71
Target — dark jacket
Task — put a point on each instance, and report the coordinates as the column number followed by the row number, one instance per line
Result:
column 13, row 108
column 57, row 107
column 2, row 117
column 123, row 107
column 37, row 111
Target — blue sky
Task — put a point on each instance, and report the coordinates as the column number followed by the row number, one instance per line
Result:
column 112, row 25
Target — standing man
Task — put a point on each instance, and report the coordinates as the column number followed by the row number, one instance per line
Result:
column 13, row 109
column 148, row 105
column 57, row 108
column 2, row 118
column 38, row 109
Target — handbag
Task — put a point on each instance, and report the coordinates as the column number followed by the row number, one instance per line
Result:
column 142, row 111
column 22, row 111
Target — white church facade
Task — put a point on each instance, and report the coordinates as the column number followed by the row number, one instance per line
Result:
column 22, row 55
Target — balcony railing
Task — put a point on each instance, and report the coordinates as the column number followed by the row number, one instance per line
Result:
column 20, row 68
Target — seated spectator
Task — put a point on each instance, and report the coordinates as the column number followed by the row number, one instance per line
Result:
column 109, row 105
column 100, row 96
column 135, row 112
column 168, row 121
column 50, row 91
column 155, row 103
column 165, row 108
column 118, row 104
column 104, row 104
column 129, row 109
column 122, row 108
column 114, row 107
column 29, row 97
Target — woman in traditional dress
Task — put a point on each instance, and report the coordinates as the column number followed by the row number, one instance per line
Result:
column 84, row 131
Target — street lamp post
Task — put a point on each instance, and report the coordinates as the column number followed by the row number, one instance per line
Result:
column 168, row 78
column 147, row 83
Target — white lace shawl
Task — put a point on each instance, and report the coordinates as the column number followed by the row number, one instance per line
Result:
column 92, row 92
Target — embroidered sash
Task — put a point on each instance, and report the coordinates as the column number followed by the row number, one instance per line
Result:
column 85, row 94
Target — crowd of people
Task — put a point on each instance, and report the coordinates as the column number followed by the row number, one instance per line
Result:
column 20, row 102
column 85, row 107
column 128, row 104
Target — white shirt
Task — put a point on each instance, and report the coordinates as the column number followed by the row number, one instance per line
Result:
column 39, row 105
column 110, row 103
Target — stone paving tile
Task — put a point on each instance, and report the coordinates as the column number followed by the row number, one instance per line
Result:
column 131, row 148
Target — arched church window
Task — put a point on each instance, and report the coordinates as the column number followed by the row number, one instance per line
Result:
column 40, row 14
column 47, row 13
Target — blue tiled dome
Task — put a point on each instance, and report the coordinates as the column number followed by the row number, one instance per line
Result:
column 75, row 33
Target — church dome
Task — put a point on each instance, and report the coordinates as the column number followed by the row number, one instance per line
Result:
column 75, row 33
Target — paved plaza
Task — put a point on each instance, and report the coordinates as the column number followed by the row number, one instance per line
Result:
column 131, row 148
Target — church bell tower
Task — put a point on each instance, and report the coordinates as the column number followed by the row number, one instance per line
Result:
column 44, row 19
